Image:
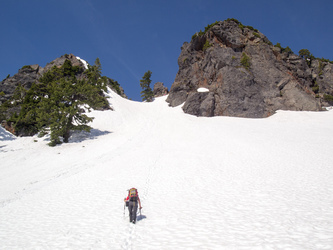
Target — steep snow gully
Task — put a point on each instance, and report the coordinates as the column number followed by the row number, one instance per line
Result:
column 204, row 183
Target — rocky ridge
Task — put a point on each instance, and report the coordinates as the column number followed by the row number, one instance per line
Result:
column 245, row 75
column 31, row 73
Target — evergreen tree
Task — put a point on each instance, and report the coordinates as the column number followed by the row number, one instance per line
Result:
column 94, row 72
column 147, row 92
column 62, row 110
column 28, row 101
column 305, row 54
column 56, row 104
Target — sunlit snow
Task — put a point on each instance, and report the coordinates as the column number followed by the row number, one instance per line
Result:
column 202, row 90
column 204, row 183
column 85, row 64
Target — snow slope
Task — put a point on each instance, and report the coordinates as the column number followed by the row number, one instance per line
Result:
column 204, row 183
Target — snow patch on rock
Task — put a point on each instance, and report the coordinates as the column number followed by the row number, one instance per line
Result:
column 202, row 90
column 85, row 64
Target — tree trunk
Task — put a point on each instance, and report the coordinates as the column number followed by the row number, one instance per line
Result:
column 67, row 129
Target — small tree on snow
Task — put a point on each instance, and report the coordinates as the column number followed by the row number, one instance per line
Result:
column 56, row 103
column 146, row 93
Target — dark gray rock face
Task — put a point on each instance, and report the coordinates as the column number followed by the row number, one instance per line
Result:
column 322, row 75
column 31, row 73
column 256, row 87
column 25, row 76
column 160, row 90
column 61, row 60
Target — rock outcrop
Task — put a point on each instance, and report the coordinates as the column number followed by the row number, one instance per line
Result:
column 25, row 76
column 31, row 73
column 245, row 75
column 160, row 89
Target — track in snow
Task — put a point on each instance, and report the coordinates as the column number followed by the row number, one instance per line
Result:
column 208, row 183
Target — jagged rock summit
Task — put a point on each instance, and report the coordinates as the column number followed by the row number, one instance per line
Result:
column 160, row 89
column 13, row 90
column 243, row 75
column 31, row 73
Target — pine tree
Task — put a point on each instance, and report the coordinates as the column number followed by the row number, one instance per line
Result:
column 94, row 72
column 56, row 104
column 146, row 93
column 62, row 110
column 26, row 119
column 305, row 54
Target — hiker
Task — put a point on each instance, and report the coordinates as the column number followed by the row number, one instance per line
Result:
column 133, row 200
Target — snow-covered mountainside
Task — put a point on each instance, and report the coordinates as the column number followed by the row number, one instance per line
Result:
column 204, row 183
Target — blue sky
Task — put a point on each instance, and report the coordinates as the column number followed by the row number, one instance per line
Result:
column 132, row 37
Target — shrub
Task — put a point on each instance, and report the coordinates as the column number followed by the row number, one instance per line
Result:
column 278, row 45
column 315, row 88
column 305, row 54
column 233, row 19
column 241, row 26
column 321, row 67
column 210, row 26
column 201, row 33
column 286, row 49
column 245, row 61
column 324, row 60
column 206, row 45
column 115, row 86
column 328, row 98
column 26, row 67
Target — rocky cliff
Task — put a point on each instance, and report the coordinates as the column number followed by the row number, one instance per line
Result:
column 244, row 75
column 31, row 73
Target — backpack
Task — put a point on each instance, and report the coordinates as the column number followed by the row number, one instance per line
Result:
column 133, row 194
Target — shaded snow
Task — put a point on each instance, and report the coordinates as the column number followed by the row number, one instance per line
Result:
column 204, row 183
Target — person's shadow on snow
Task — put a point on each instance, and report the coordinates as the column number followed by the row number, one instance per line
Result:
column 141, row 217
